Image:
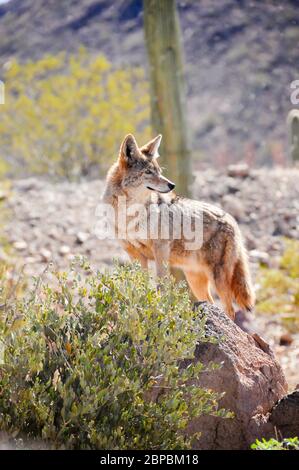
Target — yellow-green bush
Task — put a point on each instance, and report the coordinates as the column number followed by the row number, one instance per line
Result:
column 291, row 443
column 279, row 288
column 65, row 114
column 93, row 362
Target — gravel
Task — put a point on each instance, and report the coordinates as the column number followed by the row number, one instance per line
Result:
column 53, row 222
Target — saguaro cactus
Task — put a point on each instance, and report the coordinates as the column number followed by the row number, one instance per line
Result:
column 162, row 34
column 2, row 93
column 293, row 127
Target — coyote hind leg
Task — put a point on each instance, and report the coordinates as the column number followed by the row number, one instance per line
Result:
column 225, row 295
column 199, row 284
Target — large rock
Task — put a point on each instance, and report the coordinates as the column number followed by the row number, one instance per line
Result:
column 285, row 415
column 251, row 378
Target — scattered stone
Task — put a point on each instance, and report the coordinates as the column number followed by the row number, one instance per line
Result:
column 253, row 216
column 31, row 260
column 233, row 186
column 275, row 246
column 286, row 339
column 20, row 245
column 260, row 256
column 54, row 233
column 251, row 242
column 234, row 206
column 3, row 195
column 82, row 237
column 45, row 254
column 64, row 250
column 28, row 184
column 238, row 170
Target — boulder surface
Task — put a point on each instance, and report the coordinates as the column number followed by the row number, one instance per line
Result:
column 250, row 377
column 285, row 415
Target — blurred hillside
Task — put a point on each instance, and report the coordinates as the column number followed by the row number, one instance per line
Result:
column 240, row 61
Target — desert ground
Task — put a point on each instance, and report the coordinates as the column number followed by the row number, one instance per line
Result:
column 47, row 224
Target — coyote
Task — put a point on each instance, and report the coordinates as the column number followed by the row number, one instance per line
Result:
column 221, row 260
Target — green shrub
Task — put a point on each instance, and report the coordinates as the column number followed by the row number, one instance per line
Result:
column 279, row 288
column 274, row 444
column 65, row 114
column 84, row 360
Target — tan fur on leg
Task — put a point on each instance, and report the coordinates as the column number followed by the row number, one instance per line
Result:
column 199, row 284
column 136, row 255
column 227, row 301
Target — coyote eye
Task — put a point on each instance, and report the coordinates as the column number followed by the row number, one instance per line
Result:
column 148, row 172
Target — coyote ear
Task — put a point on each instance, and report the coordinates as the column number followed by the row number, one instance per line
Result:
column 151, row 148
column 128, row 148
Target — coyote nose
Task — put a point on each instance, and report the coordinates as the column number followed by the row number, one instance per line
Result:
column 171, row 186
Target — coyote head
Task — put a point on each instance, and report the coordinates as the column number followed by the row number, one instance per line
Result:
column 139, row 166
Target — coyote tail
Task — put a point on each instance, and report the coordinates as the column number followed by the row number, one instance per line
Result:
column 241, row 284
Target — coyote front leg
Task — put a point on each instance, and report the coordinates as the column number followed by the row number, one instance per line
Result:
column 161, row 255
column 136, row 255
